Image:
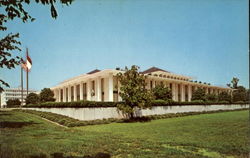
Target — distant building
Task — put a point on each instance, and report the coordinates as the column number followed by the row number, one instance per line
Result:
column 14, row 93
column 104, row 86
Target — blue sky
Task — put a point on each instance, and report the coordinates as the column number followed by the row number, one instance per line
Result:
column 204, row 39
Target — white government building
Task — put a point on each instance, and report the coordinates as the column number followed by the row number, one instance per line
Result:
column 14, row 93
column 104, row 86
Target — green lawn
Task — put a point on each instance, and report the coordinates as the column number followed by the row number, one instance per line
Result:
column 207, row 135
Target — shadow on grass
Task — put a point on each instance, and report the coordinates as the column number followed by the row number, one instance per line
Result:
column 3, row 113
column 60, row 155
column 6, row 124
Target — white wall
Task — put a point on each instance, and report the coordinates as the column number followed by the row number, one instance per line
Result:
column 111, row 112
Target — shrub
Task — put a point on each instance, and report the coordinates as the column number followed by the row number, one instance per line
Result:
column 133, row 91
column 224, row 102
column 240, row 102
column 197, row 102
column 32, row 98
column 13, row 103
column 211, row 97
column 199, row 94
column 162, row 92
column 89, row 104
column 47, row 95
column 71, row 122
column 224, row 96
column 240, row 94
column 74, row 104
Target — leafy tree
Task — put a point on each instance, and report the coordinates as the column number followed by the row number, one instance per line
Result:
column 133, row 91
column 234, row 83
column 46, row 95
column 13, row 103
column 211, row 97
column 224, row 96
column 9, row 44
column 199, row 94
column 32, row 98
column 162, row 92
column 240, row 94
column 248, row 95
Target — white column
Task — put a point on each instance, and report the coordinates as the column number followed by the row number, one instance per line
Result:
column 110, row 89
column 189, row 92
column 81, row 91
column 173, row 91
column 98, row 89
column 154, row 83
column 211, row 91
column 56, row 94
column 88, row 90
column 75, row 93
column 69, row 94
column 177, row 92
column 60, row 95
column 182, row 86
column 206, row 90
column 119, row 89
column 64, row 94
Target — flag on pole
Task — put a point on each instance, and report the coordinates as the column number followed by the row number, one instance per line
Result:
column 23, row 64
column 28, row 61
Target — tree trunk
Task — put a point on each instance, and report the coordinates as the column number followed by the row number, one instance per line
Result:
column 131, row 115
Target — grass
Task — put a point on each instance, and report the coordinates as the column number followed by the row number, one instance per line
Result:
column 222, row 134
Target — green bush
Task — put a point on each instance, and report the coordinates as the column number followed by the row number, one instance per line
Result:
column 162, row 92
column 13, row 103
column 224, row 96
column 224, row 102
column 211, row 97
column 32, row 98
column 199, row 94
column 74, row 104
column 47, row 95
column 89, row 104
column 240, row 102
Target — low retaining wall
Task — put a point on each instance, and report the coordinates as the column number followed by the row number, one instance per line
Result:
column 112, row 112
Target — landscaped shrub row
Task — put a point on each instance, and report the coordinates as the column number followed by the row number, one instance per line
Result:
column 68, row 121
column 74, row 104
column 195, row 102
column 71, row 122
column 114, row 104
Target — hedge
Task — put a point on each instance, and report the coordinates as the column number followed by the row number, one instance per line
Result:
column 79, row 104
column 73, row 104
column 71, row 122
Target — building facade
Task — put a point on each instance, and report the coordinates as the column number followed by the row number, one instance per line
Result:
column 14, row 93
column 104, row 86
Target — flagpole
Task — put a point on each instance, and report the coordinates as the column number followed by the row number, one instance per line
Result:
column 27, row 83
column 21, row 85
